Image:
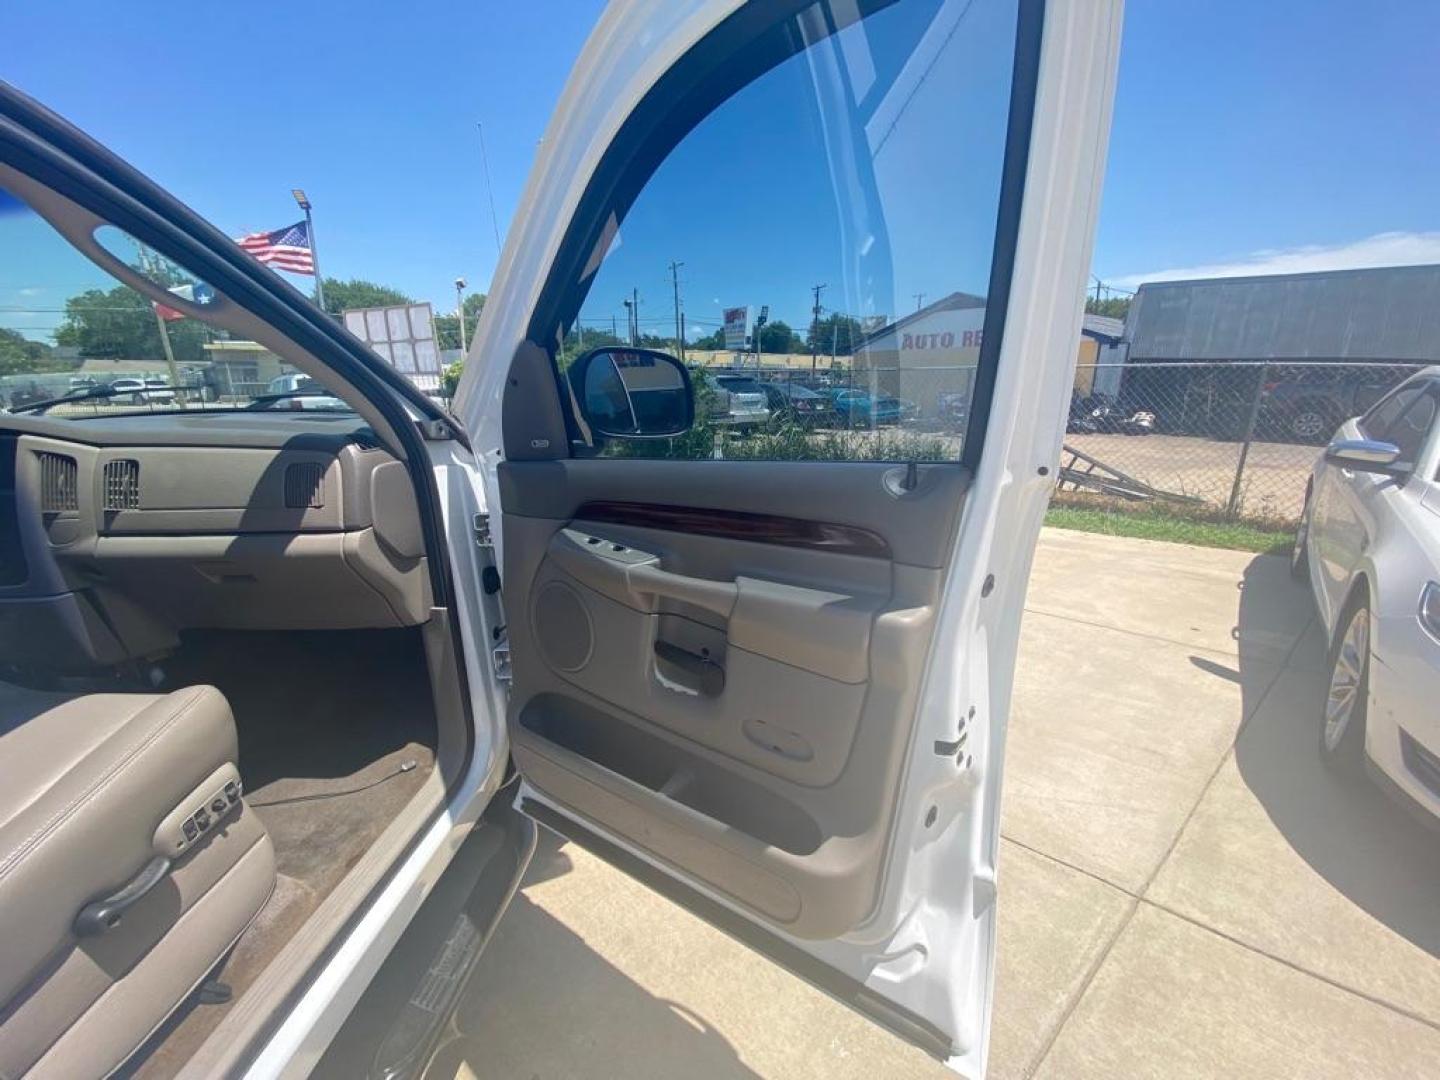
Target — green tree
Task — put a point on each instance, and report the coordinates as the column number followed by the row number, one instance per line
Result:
column 119, row 324
column 779, row 337
column 21, row 356
column 1115, row 307
column 711, row 341
column 358, row 293
column 835, row 333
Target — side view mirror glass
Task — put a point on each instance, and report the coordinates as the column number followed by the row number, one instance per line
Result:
column 633, row 393
column 1364, row 455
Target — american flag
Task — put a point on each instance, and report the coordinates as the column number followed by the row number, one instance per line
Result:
column 285, row 249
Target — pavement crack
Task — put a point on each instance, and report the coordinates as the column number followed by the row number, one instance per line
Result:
column 1389, row 1006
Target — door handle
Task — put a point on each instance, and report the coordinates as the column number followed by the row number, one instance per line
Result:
column 709, row 675
column 101, row 915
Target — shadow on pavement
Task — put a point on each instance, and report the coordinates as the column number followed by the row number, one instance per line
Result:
column 544, row 1004
column 1347, row 830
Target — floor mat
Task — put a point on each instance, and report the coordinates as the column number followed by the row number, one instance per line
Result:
column 337, row 733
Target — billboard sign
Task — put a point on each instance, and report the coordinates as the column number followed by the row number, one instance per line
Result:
column 404, row 336
column 736, row 321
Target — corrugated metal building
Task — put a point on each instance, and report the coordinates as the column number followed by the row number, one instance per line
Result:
column 1387, row 314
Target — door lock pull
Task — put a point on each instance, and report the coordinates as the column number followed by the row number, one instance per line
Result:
column 709, row 674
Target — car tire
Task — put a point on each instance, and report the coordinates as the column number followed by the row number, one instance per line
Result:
column 1299, row 550
column 1342, row 720
column 1310, row 423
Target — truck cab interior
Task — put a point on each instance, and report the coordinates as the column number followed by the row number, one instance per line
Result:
column 227, row 694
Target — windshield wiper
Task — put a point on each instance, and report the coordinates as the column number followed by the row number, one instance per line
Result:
column 266, row 400
column 93, row 392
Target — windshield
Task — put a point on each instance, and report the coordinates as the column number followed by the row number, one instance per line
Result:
column 74, row 335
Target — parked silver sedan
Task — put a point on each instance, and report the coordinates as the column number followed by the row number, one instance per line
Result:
column 1369, row 547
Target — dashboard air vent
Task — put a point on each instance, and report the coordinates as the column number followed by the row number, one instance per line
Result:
column 122, row 484
column 58, row 491
column 304, row 485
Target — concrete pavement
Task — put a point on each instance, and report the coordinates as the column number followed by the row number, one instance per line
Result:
column 1184, row 890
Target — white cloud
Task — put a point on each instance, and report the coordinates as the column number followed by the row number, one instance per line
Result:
column 1382, row 249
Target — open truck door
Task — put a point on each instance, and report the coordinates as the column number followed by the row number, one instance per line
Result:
column 768, row 672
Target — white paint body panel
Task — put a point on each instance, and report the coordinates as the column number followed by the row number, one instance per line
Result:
column 929, row 946
column 1372, row 529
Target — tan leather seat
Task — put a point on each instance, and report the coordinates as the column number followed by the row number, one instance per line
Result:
column 95, row 790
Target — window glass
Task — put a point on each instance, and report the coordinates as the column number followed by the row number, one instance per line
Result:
column 72, row 331
column 828, row 228
column 1376, row 423
column 1409, row 430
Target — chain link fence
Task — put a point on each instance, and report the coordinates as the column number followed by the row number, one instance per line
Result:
column 1234, row 438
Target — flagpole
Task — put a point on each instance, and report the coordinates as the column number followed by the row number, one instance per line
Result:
column 146, row 257
column 314, row 254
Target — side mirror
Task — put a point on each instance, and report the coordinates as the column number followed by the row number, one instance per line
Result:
column 1365, row 455
column 632, row 393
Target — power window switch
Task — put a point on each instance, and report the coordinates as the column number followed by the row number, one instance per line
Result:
column 190, row 829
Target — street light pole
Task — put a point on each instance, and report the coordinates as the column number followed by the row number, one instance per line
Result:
column 460, row 311
column 304, row 204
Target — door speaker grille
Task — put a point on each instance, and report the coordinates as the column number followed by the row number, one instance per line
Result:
column 563, row 627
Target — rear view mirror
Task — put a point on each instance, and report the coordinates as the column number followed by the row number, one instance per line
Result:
column 632, row 393
column 1365, row 455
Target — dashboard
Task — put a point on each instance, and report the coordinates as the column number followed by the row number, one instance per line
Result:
column 119, row 533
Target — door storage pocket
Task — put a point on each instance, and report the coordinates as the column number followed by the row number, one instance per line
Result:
column 671, row 772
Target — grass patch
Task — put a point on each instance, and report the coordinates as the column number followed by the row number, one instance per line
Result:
column 1154, row 522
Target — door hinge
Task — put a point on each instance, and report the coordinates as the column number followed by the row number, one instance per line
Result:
column 481, row 525
column 500, row 656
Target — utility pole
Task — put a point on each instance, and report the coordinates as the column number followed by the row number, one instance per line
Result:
column 815, row 327
column 629, row 321
column 460, row 311
column 919, row 300
column 679, row 329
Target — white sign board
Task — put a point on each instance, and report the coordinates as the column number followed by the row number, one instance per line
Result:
column 736, row 321
column 404, row 337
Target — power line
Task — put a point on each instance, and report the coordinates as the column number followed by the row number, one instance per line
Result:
column 489, row 189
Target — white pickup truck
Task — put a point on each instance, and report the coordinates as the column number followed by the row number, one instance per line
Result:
column 286, row 691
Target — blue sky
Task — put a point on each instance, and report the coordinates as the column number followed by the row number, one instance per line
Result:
column 1285, row 135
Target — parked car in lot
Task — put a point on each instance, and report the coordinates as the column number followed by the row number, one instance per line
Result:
column 795, row 404
column 146, row 391
column 859, row 408
column 739, row 401
column 1306, row 404
column 284, row 695
column 1368, row 547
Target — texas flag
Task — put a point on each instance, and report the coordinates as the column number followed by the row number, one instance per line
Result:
column 196, row 294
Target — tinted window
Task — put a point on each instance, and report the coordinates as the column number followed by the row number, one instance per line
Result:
column 839, row 213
